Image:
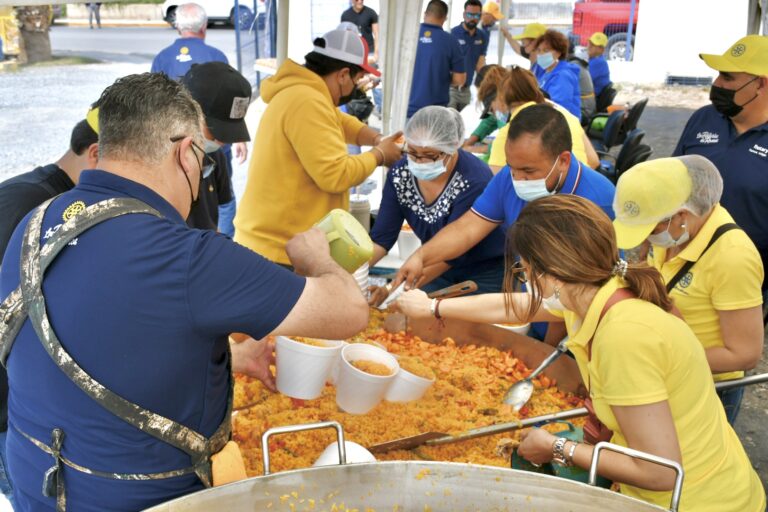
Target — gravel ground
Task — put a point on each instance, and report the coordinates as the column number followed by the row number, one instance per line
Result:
column 41, row 105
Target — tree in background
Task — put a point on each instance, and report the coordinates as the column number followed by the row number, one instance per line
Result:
column 35, row 23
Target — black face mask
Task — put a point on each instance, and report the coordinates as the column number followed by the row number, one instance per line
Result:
column 524, row 53
column 346, row 98
column 722, row 99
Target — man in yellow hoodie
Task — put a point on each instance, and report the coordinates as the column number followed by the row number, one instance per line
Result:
column 300, row 169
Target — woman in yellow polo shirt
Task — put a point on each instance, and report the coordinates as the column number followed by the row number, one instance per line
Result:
column 517, row 90
column 673, row 203
column 647, row 373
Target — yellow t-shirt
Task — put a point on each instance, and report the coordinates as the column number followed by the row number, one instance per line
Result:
column 727, row 278
column 643, row 355
column 499, row 159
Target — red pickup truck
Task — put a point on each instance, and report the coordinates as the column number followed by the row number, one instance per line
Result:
column 608, row 16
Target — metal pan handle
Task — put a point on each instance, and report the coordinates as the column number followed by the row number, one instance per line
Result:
column 676, row 491
column 301, row 428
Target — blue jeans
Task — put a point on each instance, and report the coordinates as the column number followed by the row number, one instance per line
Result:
column 489, row 278
column 226, row 217
column 5, row 478
column 731, row 399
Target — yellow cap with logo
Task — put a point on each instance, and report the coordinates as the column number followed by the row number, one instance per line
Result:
column 647, row 194
column 747, row 55
column 92, row 117
column 532, row 31
column 493, row 9
column 598, row 39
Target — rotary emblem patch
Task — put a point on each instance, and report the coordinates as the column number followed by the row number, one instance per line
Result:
column 738, row 50
column 428, row 33
column 75, row 208
column 686, row 280
column 631, row 209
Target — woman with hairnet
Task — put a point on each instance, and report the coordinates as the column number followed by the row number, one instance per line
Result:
column 431, row 187
column 711, row 268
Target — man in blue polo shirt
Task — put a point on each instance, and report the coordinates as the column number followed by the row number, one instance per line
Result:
column 439, row 61
column 598, row 66
column 474, row 43
column 540, row 163
column 733, row 134
column 144, row 305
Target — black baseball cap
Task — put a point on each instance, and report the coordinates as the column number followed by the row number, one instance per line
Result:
column 224, row 95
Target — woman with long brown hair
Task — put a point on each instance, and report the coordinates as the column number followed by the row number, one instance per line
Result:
column 516, row 88
column 647, row 373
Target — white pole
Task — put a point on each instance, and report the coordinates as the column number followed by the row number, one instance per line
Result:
column 283, row 10
column 502, row 41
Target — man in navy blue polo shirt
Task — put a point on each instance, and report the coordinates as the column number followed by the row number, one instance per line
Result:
column 733, row 134
column 439, row 61
column 540, row 163
column 474, row 43
column 145, row 306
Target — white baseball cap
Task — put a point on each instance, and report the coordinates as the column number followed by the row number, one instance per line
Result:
column 347, row 46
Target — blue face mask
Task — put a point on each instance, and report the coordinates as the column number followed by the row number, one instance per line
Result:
column 426, row 171
column 545, row 60
column 529, row 190
column 501, row 117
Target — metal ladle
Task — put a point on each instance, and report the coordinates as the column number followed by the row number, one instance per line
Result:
column 520, row 392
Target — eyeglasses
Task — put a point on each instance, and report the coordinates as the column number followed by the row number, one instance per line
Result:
column 472, row 15
column 424, row 158
column 208, row 164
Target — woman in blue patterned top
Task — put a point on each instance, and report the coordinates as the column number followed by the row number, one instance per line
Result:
column 434, row 185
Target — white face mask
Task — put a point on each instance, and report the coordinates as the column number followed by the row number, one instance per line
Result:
column 529, row 190
column 501, row 117
column 665, row 239
column 552, row 303
column 210, row 146
column 426, row 171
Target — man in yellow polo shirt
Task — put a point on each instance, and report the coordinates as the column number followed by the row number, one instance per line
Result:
column 300, row 169
column 673, row 203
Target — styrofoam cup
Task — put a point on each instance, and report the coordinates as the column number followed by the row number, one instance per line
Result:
column 355, row 454
column 302, row 369
column 519, row 329
column 407, row 243
column 407, row 387
column 357, row 392
column 334, row 375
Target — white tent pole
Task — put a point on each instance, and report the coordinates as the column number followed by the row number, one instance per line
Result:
column 502, row 41
column 282, row 30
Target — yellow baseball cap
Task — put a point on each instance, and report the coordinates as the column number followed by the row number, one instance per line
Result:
column 92, row 117
column 747, row 55
column 493, row 9
column 647, row 194
column 598, row 39
column 532, row 31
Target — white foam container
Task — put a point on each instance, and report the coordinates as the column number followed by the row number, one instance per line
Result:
column 302, row 369
column 355, row 454
column 407, row 387
column 407, row 243
column 357, row 392
column 519, row 329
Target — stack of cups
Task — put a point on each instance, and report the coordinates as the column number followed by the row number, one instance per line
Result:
column 361, row 276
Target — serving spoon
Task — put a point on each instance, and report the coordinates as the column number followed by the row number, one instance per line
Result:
column 520, row 392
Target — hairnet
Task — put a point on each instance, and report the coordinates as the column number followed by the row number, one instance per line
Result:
column 706, row 184
column 436, row 127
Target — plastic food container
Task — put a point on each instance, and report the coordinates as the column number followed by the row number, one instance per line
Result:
column 349, row 241
column 357, row 392
column 303, row 369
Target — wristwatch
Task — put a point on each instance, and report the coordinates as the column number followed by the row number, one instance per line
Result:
column 558, row 451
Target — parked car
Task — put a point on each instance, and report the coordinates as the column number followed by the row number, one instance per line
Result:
column 218, row 11
column 610, row 17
